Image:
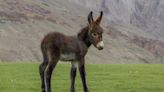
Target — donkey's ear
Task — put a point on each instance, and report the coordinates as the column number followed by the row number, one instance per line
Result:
column 98, row 20
column 90, row 18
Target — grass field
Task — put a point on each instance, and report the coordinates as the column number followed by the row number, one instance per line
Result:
column 21, row 77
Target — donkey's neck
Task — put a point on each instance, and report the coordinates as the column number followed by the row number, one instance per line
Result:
column 83, row 36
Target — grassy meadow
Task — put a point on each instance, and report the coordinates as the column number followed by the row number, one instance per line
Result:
column 24, row 77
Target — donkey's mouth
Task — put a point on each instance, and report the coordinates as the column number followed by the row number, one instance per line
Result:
column 100, row 45
column 100, row 48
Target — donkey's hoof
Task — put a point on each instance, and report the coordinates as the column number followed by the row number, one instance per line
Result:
column 86, row 91
column 43, row 90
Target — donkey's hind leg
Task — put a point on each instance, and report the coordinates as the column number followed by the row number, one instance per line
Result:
column 42, row 68
column 53, row 59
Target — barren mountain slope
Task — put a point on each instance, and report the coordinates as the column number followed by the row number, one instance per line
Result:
column 23, row 23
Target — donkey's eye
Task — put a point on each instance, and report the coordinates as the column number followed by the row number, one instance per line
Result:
column 95, row 35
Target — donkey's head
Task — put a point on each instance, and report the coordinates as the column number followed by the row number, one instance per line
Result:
column 95, row 31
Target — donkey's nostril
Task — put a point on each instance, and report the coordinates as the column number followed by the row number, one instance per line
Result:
column 101, row 48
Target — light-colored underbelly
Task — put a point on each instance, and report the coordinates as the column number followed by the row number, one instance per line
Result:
column 68, row 57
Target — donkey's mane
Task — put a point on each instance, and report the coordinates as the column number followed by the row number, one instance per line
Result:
column 83, row 35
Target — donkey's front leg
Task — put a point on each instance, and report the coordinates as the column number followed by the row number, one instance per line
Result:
column 72, row 76
column 83, row 74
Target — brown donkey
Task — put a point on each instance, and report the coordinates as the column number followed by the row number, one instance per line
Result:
column 56, row 46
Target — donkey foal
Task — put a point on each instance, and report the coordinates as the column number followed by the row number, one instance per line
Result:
column 56, row 46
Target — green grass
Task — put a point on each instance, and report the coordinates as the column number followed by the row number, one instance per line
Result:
column 21, row 77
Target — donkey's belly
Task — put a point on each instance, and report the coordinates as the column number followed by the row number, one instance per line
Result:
column 68, row 57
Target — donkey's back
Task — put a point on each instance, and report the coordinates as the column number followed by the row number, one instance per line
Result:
column 53, row 39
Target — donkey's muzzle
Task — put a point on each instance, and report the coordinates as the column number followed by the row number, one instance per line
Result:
column 100, row 45
column 100, row 48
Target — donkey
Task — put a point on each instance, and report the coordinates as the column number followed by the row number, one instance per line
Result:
column 56, row 46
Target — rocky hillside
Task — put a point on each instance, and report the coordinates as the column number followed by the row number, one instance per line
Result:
column 133, row 29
